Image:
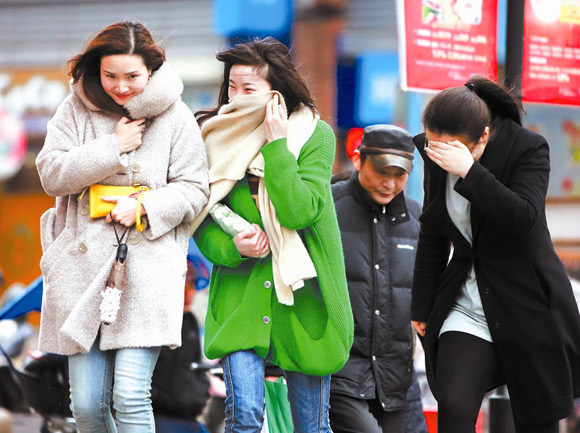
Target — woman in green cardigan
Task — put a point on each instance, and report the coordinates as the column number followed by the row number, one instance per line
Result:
column 278, row 290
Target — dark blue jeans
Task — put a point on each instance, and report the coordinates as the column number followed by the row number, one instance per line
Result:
column 244, row 378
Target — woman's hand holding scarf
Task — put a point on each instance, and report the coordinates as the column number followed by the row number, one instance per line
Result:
column 276, row 121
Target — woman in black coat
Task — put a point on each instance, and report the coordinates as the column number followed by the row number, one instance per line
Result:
column 490, row 296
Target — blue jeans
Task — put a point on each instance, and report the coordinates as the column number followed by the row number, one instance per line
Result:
column 244, row 378
column 165, row 424
column 92, row 376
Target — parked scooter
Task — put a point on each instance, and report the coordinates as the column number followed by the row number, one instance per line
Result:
column 13, row 335
column 43, row 378
column 44, row 381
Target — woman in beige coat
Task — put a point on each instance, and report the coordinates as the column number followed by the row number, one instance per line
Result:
column 124, row 124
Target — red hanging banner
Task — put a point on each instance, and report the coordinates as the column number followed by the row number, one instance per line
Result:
column 551, row 52
column 443, row 42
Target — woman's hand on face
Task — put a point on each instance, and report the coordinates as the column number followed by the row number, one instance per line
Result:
column 420, row 327
column 453, row 157
column 252, row 242
column 125, row 210
column 276, row 121
column 129, row 134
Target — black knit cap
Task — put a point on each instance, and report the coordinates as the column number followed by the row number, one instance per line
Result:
column 388, row 145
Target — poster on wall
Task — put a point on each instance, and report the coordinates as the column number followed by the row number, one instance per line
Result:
column 551, row 52
column 561, row 127
column 443, row 42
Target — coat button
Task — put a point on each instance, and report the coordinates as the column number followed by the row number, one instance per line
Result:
column 377, row 267
column 374, row 358
column 361, row 395
column 403, row 215
column 377, row 312
column 267, row 284
column 383, row 405
column 134, row 239
column 83, row 247
column 486, row 291
column 496, row 325
column 135, row 167
column 393, row 219
column 376, row 220
column 266, row 320
column 84, row 210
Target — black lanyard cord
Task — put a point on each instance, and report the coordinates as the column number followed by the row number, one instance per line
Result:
column 121, row 246
column 119, row 240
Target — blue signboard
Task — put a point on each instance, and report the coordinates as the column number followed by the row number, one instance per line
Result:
column 377, row 79
column 345, row 92
column 253, row 17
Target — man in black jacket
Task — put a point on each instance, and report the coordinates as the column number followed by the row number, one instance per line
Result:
column 379, row 228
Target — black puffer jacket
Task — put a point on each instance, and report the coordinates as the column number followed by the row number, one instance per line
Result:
column 178, row 389
column 379, row 245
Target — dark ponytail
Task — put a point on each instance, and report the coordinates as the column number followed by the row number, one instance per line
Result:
column 500, row 100
column 468, row 109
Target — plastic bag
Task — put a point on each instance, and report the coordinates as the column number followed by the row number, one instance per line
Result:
column 278, row 415
column 229, row 221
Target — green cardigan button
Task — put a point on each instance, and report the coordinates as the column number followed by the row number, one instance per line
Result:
column 266, row 320
column 267, row 284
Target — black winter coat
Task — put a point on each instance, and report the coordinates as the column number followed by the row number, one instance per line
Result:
column 177, row 389
column 379, row 246
column 527, row 298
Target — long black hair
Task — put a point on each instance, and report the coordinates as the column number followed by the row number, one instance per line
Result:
column 271, row 56
column 468, row 109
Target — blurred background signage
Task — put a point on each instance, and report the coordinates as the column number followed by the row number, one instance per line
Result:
column 253, row 17
column 551, row 52
column 442, row 43
column 377, row 77
column 12, row 144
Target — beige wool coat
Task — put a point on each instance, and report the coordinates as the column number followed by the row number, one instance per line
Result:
column 78, row 252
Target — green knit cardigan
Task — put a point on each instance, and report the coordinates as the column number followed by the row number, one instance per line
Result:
column 314, row 335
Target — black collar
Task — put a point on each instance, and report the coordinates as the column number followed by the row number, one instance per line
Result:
column 396, row 210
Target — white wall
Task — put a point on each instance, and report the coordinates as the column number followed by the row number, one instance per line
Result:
column 564, row 221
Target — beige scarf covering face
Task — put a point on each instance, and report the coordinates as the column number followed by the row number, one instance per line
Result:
column 233, row 139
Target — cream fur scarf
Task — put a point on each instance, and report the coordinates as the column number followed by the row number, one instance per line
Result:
column 233, row 139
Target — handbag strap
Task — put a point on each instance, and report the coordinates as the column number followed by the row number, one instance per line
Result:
column 138, row 223
column 82, row 194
